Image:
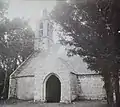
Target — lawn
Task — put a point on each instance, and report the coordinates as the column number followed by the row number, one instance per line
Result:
column 38, row 104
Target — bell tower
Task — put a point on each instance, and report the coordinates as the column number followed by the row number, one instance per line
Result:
column 44, row 32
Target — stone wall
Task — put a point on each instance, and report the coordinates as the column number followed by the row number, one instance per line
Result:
column 43, row 73
column 91, row 87
column 25, row 88
column 12, row 88
column 74, row 86
column 21, row 88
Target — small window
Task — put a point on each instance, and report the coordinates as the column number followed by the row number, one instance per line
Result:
column 41, row 25
column 48, row 29
column 48, row 26
column 41, row 29
column 41, row 32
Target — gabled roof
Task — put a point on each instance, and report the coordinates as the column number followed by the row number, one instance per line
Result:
column 23, row 64
column 46, row 59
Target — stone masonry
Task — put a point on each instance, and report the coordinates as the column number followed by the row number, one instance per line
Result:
column 30, row 80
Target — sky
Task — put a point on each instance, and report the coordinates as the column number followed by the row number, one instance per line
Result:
column 29, row 9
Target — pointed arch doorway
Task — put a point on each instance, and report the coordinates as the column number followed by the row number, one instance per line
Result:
column 53, row 89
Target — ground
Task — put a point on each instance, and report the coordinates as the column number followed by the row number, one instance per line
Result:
column 38, row 104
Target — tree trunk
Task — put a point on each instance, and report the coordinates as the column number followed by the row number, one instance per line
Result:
column 109, row 90
column 109, row 94
column 15, row 64
column 117, row 93
column 5, row 82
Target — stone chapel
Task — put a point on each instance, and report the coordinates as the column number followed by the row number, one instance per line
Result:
column 49, row 75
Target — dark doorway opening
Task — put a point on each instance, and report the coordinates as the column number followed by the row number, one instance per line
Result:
column 53, row 89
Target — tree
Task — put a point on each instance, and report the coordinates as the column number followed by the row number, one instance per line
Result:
column 18, row 39
column 3, row 48
column 16, row 44
column 93, row 26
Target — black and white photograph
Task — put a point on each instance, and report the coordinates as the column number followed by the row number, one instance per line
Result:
column 59, row 53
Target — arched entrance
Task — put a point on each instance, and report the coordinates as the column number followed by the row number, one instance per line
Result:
column 53, row 89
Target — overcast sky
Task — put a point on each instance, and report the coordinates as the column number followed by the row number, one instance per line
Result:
column 29, row 9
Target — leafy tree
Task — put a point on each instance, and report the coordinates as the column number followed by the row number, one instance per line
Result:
column 18, row 39
column 16, row 43
column 93, row 28
column 3, row 48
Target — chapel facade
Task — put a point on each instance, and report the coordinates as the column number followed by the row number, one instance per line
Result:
column 49, row 75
